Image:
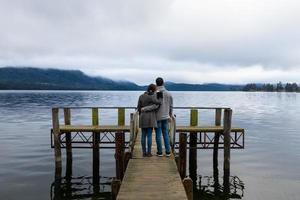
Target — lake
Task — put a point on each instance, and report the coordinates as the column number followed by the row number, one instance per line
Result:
column 268, row 167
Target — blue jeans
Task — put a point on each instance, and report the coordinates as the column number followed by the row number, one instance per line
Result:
column 146, row 133
column 162, row 129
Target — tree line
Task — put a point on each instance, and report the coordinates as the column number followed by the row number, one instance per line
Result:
column 268, row 87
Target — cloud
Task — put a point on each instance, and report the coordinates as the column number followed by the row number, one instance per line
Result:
column 182, row 40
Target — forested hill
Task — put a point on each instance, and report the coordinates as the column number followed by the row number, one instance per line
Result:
column 28, row 78
column 54, row 79
column 202, row 87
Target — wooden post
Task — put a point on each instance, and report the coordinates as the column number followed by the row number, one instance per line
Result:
column 115, row 187
column 216, row 142
column 182, row 154
column 188, row 186
column 119, row 155
column 96, row 141
column 218, row 117
column 227, row 130
column 67, row 118
column 193, row 146
column 57, row 148
column 121, row 116
column 132, row 132
column 120, row 143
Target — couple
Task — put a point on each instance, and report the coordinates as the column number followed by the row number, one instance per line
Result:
column 155, row 107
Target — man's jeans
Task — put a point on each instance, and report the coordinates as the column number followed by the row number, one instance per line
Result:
column 162, row 129
column 146, row 133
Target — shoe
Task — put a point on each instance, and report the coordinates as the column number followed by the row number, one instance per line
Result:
column 149, row 155
column 144, row 155
column 168, row 154
column 159, row 154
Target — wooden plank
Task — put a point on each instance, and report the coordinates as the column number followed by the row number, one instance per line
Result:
column 90, row 128
column 112, row 128
column 206, row 129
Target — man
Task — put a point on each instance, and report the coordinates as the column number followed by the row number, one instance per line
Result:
column 163, row 114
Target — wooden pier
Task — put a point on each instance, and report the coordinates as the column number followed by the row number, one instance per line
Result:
column 151, row 177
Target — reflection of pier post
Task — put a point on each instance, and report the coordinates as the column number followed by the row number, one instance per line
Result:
column 96, row 138
column 216, row 142
column 67, row 117
column 193, row 147
column 227, row 130
column 218, row 117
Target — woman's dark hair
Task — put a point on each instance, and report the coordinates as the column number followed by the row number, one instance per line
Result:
column 151, row 88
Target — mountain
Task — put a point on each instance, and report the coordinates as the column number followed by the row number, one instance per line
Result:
column 28, row 78
column 53, row 79
column 202, row 87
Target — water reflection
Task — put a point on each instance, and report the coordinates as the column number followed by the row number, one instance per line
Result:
column 209, row 188
column 206, row 188
column 80, row 188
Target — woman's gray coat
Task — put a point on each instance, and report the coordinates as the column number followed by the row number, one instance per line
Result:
column 147, row 119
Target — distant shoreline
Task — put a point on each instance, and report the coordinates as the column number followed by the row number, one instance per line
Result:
column 65, row 90
column 36, row 79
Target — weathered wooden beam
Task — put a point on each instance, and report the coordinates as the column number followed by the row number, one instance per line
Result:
column 188, row 186
column 218, row 117
column 227, row 130
column 119, row 140
column 57, row 148
column 67, row 118
column 182, row 154
column 193, row 146
column 115, row 187
column 96, row 141
column 120, row 144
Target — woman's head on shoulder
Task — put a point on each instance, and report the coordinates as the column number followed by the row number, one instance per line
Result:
column 151, row 88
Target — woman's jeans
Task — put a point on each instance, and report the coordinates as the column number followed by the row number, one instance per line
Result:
column 146, row 133
column 162, row 129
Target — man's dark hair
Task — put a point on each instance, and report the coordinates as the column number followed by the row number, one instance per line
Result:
column 159, row 81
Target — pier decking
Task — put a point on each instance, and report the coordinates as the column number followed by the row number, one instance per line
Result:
column 151, row 177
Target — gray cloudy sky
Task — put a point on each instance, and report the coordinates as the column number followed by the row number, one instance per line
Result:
column 196, row 41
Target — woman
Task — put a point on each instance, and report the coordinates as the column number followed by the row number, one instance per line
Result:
column 147, row 120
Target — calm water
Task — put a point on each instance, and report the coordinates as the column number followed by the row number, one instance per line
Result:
column 268, row 168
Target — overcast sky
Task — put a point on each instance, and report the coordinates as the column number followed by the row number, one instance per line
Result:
column 195, row 41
